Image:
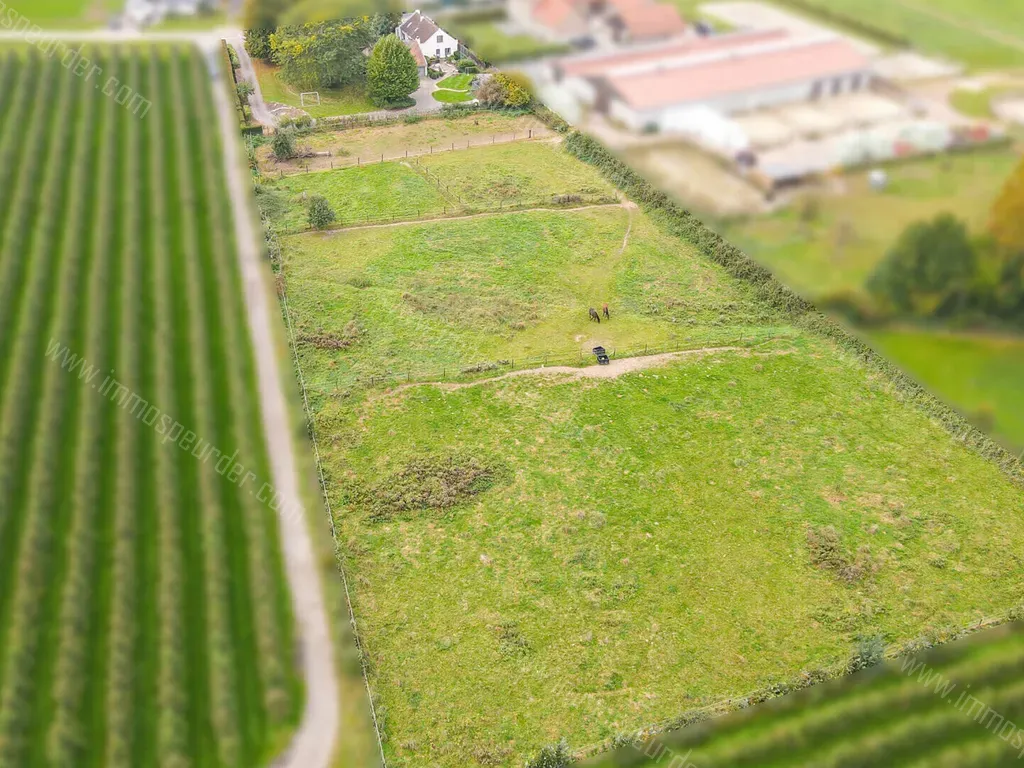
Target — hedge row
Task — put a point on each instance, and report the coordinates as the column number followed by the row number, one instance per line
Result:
column 684, row 224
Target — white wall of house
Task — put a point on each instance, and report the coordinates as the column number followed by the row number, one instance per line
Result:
column 440, row 44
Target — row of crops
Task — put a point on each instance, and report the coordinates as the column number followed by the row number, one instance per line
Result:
column 959, row 705
column 144, row 616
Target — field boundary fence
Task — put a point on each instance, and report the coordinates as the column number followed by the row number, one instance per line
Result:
column 568, row 201
column 581, row 358
column 272, row 242
column 336, row 162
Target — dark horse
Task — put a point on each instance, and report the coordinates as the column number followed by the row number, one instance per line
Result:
column 594, row 315
column 605, row 310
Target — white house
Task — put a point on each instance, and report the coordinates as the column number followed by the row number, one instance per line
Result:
column 433, row 41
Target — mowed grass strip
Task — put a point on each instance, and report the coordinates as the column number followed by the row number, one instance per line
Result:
column 136, row 642
column 643, row 548
column 373, row 192
column 456, row 293
column 531, row 172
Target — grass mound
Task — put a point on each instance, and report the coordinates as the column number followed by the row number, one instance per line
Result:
column 428, row 483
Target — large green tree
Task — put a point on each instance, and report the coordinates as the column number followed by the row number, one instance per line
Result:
column 322, row 55
column 930, row 270
column 1006, row 227
column 391, row 72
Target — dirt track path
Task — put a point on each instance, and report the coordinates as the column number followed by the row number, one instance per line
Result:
column 312, row 746
column 613, row 370
column 409, row 222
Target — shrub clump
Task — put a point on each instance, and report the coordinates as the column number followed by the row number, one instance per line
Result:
column 827, row 552
column 429, row 483
column 321, row 215
column 552, row 756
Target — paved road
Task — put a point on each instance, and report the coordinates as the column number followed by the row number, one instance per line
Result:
column 260, row 113
column 313, row 743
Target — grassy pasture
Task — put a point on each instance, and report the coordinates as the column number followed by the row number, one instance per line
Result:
column 529, row 171
column 417, row 138
column 378, row 190
column 333, row 101
column 974, row 372
column 494, row 45
column 452, row 294
column 906, row 713
column 538, row 556
column 983, row 34
column 839, row 250
column 144, row 616
column 643, row 549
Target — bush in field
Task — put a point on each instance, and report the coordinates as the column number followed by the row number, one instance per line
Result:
column 503, row 90
column 257, row 43
column 283, row 144
column 552, row 756
column 391, row 72
column 321, row 215
column 870, row 651
column 930, row 269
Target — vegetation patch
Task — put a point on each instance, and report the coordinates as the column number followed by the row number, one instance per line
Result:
column 428, row 484
column 827, row 552
column 452, row 97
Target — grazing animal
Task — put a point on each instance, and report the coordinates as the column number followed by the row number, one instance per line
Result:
column 605, row 310
column 594, row 315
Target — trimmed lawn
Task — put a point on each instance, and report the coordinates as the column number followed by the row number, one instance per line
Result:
column 854, row 230
column 974, row 372
column 513, row 173
column 457, row 82
column 372, row 191
column 333, row 101
column 452, row 97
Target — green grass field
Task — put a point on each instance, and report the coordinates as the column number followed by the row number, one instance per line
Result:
column 542, row 556
column 497, row 47
column 983, row 34
column 941, row 708
column 839, row 250
column 333, row 101
column 372, row 191
column 533, row 171
column 978, row 374
column 144, row 616
column 453, row 294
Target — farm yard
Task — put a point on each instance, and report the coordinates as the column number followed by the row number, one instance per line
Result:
column 571, row 552
column 144, row 616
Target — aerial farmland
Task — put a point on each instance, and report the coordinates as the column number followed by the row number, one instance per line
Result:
column 541, row 547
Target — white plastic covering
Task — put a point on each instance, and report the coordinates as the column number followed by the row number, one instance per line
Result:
column 707, row 127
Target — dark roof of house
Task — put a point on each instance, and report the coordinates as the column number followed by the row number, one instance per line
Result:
column 419, row 27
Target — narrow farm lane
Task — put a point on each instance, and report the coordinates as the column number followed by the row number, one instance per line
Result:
column 314, row 740
column 260, row 113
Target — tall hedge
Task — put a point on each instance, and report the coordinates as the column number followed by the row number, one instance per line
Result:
column 391, row 72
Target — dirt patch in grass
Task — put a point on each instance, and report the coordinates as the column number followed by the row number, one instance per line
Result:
column 429, row 484
column 348, row 338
